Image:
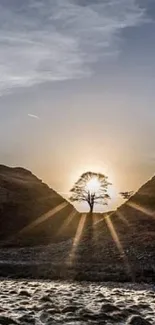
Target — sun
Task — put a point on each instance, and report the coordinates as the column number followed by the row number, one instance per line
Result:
column 93, row 185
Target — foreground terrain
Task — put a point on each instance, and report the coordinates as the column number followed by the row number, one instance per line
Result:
column 67, row 261
column 55, row 303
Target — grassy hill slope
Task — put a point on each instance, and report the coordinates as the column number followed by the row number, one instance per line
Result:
column 24, row 199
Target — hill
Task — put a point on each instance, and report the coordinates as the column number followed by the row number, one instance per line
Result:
column 117, row 246
column 122, row 244
column 31, row 213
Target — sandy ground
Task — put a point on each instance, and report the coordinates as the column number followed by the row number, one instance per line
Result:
column 55, row 302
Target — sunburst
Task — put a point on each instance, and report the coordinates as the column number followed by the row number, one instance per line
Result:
column 93, row 185
column 44, row 217
column 140, row 208
column 118, row 244
column 122, row 217
column 77, row 238
column 68, row 220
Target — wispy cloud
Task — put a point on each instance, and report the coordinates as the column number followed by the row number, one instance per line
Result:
column 34, row 116
column 58, row 40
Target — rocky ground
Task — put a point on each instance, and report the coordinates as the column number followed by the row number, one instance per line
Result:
column 55, row 303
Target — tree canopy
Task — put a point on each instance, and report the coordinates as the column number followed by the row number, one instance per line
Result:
column 126, row 195
column 91, row 188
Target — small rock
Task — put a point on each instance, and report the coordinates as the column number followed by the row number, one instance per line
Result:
column 100, row 295
column 7, row 321
column 52, row 311
column 51, row 321
column 45, row 299
column 68, row 309
column 109, row 308
column 24, row 293
column 27, row 319
column 44, row 316
column 120, row 315
column 12, row 292
column 137, row 320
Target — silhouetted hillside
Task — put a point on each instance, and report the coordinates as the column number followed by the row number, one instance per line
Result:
column 25, row 199
column 117, row 246
column 124, row 241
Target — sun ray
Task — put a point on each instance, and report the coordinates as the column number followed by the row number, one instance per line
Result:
column 95, row 233
column 101, row 220
column 121, row 216
column 94, row 222
column 49, row 196
column 77, row 238
column 44, row 217
column 67, row 221
column 118, row 244
column 114, row 235
column 95, row 219
column 97, row 222
column 140, row 208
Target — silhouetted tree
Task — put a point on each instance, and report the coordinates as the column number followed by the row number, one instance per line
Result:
column 91, row 188
column 126, row 195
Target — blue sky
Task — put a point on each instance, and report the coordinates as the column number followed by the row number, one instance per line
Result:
column 77, row 80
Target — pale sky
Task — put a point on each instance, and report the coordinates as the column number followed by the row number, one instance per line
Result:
column 77, row 90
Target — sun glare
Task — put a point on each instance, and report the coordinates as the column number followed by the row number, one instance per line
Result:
column 93, row 185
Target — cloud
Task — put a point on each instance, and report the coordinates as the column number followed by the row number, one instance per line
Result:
column 55, row 40
column 34, row 116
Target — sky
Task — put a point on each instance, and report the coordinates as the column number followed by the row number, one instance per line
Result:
column 77, row 80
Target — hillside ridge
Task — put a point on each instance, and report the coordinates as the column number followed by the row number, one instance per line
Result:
column 24, row 198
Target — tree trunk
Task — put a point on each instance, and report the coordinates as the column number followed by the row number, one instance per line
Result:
column 91, row 207
column 90, row 202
